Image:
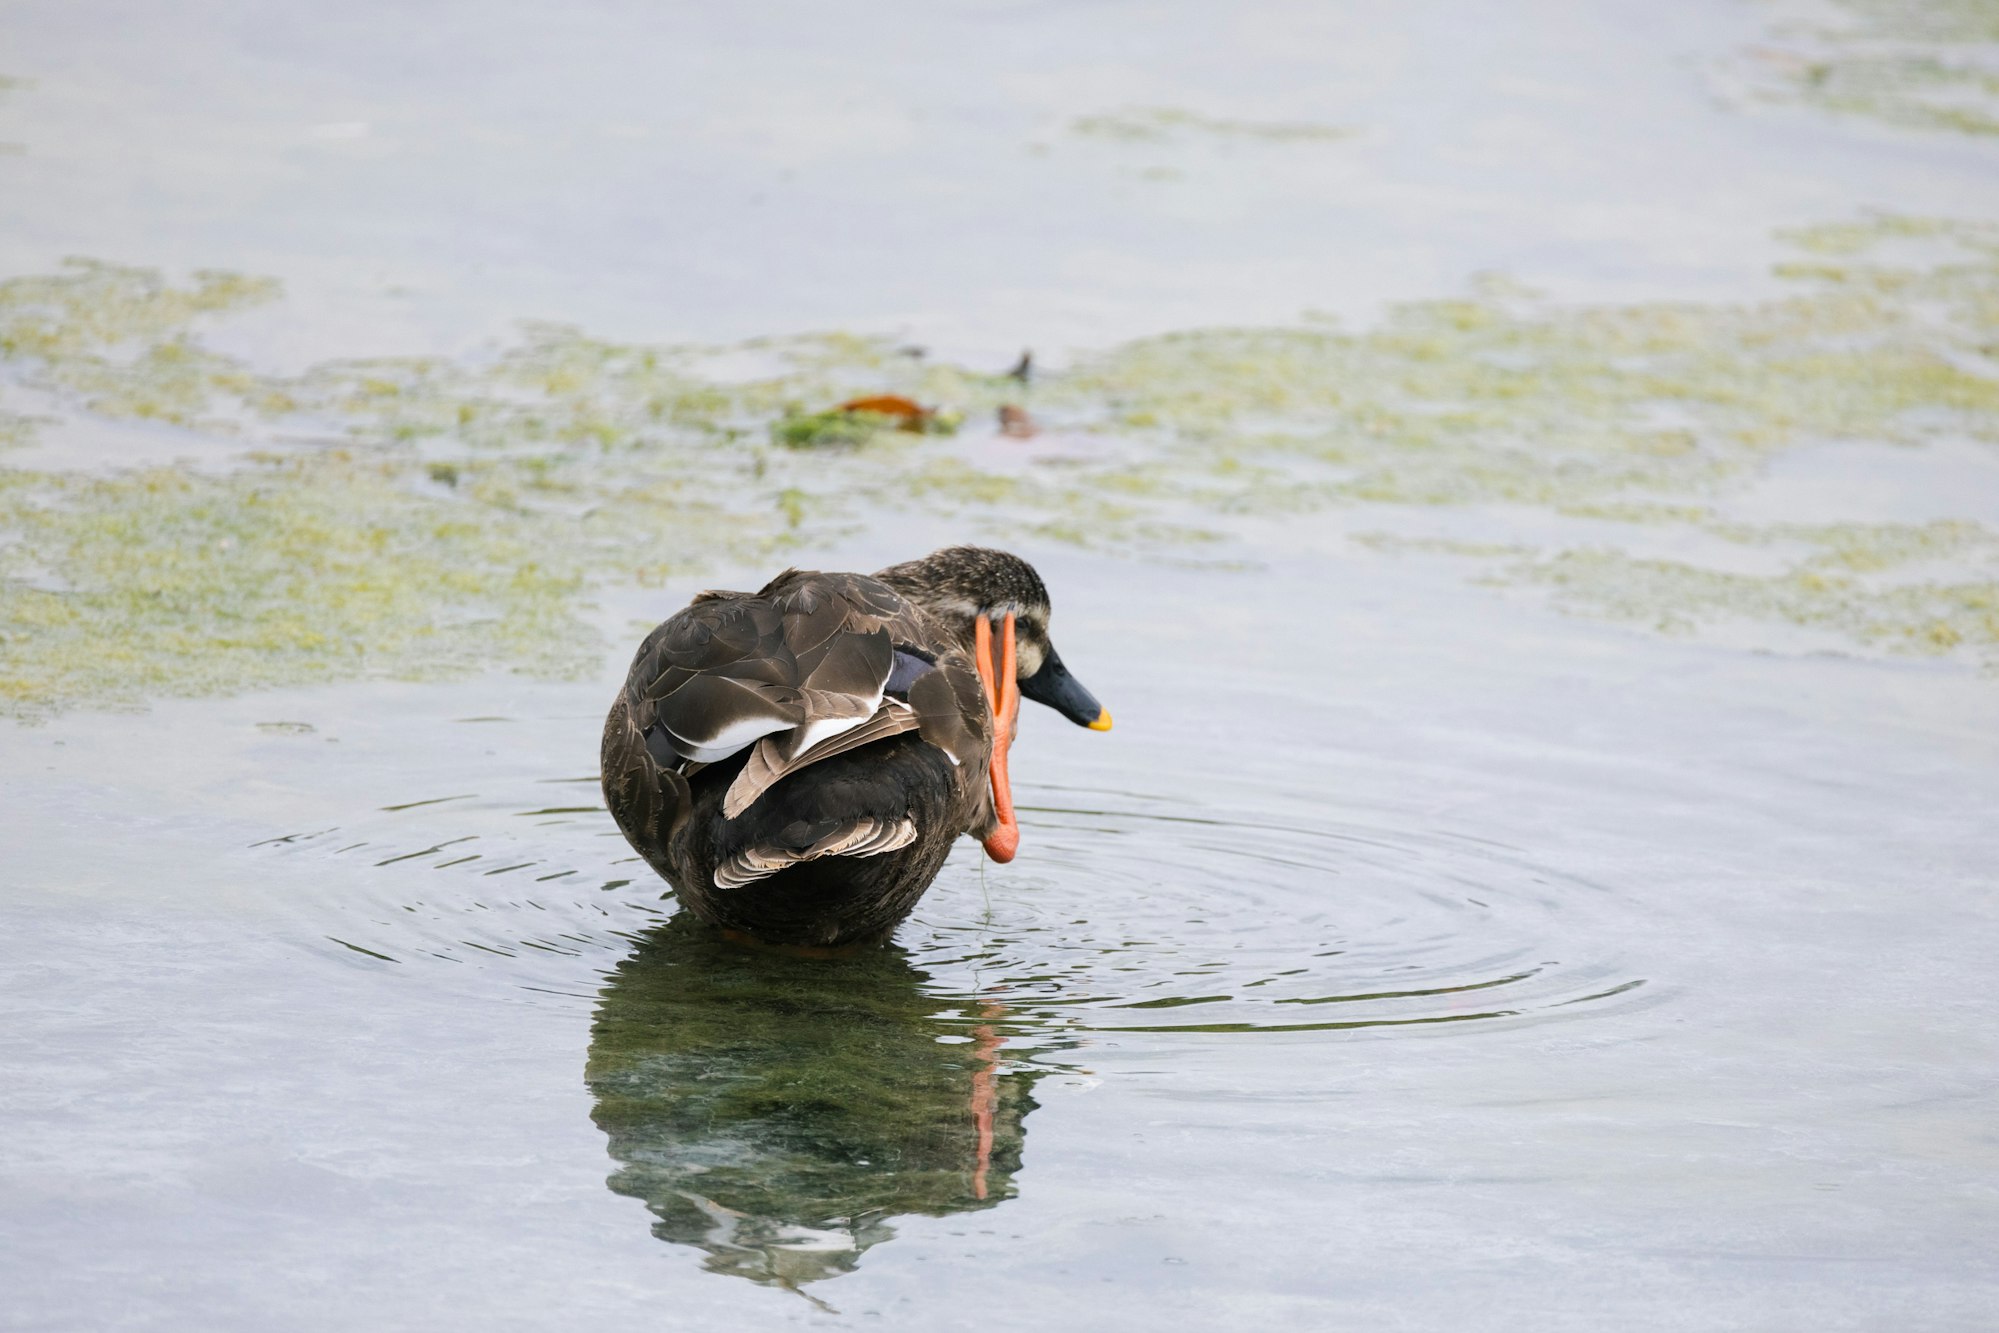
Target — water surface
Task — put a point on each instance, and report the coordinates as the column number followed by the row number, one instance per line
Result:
column 1542, row 872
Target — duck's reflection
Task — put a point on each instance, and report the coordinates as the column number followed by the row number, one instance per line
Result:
column 778, row 1111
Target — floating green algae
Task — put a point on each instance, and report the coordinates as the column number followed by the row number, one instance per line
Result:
column 821, row 430
column 1872, row 585
column 16, row 428
column 294, row 569
column 1927, row 617
column 1917, row 64
column 10, row 84
column 1650, row 415
column 418, row 516
column 845, row 427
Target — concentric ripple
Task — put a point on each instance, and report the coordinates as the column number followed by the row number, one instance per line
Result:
column 528, row 885
column 1137, row 917
column 1128, row 914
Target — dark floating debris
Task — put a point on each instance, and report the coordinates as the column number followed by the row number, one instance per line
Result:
column 1015, row 424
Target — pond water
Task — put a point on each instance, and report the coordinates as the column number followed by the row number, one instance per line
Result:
column 1543, row 871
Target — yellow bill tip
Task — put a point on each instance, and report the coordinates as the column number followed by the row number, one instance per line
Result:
column 1103, row 722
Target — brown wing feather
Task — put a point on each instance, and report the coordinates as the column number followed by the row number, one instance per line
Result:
column 717, row 676
column 767, row 763
column 802, row 659
column 951, row 711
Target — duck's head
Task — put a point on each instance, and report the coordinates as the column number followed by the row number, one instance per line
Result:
column 996, row 607
column 963, row 585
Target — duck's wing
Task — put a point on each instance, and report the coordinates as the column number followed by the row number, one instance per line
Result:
column 943, row 704
column 841, row 631
column 940, row 691
column 804, row 659
column 715, row 677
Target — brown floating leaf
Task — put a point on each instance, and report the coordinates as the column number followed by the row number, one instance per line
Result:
column 909, row 414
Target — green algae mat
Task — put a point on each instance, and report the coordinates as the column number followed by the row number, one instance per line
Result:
column 415, row 516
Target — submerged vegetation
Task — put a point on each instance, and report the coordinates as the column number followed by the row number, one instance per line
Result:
column 410, row 516
column 1161, row 124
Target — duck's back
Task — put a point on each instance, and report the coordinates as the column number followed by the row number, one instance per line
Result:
column 797, row 762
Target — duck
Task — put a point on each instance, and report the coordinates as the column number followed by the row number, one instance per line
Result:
column 798, row 762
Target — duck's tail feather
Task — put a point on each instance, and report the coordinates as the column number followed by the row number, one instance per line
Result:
column 865, row 836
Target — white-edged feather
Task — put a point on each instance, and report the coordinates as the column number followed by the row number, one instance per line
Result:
column 736, row 736
column 767, row 762
column 863, row 837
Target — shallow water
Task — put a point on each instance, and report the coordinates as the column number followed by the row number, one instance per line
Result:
column 1540, row 947
column 1556, row 986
